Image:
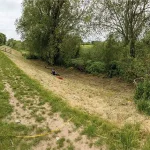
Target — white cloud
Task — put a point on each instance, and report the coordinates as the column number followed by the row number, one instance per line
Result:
column 10, row 10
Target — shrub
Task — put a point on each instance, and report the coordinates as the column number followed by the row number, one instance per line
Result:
column 143, row 106
column 95, row 67
column 143, row 90
column 113, row 69
column 132, row 68
column 142, row 96
column 79, row 63
column 139, row 91
column 30, row 56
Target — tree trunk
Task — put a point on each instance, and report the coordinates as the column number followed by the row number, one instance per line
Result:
column 132, row 48
column 57, row 57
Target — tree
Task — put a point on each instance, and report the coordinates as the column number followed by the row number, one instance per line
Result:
column 127, row 17
column 2, row 39
column 16, row 44
column 45, row 23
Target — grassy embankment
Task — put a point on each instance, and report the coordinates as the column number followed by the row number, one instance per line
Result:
column 127, row 138
column 9, row 131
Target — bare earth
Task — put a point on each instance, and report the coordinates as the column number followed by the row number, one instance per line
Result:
column 66, row 129
column 111, row 99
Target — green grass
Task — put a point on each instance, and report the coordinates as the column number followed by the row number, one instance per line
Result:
column 8, row 131
column 39, row 118
column 126, row 138
column 60, row 142
column 85, row 49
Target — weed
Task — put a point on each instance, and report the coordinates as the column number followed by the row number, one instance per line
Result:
column 39, row 118
column 70, row 147
column 60, row 142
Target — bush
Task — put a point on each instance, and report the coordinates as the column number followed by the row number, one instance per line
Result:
column 139, row 91
column 79, row 63
column 30, row 56
column 132, row 68
column 143, row 90
column 113, row 69
column 142, row 96
column 95, row 67
column 143, row 106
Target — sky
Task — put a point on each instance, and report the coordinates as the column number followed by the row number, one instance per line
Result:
column 10, row 10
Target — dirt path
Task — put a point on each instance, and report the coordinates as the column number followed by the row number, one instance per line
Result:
column 110, row 98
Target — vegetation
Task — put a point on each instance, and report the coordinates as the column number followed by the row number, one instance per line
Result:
column 9, row 131
column 48, row 25
column 53, row 31
column 18, row 45
column 2, row 39
column 128, row 137
column 128, row 18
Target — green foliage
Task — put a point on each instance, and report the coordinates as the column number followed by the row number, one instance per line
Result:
column 29, row 55
column 143, row 106
column 45, row 25
column 2, row 39
column 18, row 45
column 143, row 90
column 102, row 56
column 69, row 49
column 142, row 96
column 128, row 137
column 79, row 63
column 95, row 67
column 139, row 91
column 132, row 68
column 60, row 142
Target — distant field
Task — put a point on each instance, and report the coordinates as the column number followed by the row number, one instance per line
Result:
column 85, row 49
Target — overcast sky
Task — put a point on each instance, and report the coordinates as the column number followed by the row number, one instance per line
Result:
column 10, row 10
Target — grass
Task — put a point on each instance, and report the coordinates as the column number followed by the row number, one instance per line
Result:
column 39, row 118
column 60, row 142
column 8, row 131
column 126, row 138
column 71, row 147
column 142, row 96
column 85, row 50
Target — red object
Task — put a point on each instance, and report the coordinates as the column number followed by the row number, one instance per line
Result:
column 59, row 77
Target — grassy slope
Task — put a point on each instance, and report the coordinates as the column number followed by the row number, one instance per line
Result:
column 8, row 131
column 127, row 138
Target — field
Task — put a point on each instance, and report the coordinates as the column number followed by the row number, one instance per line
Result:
column 85, row 49
column 79, row 112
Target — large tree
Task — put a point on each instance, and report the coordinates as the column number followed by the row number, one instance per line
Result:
column 127, row 17
column 45, row 23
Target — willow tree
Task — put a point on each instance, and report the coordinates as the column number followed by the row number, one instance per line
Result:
column 127, row 17
column 45, row 23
